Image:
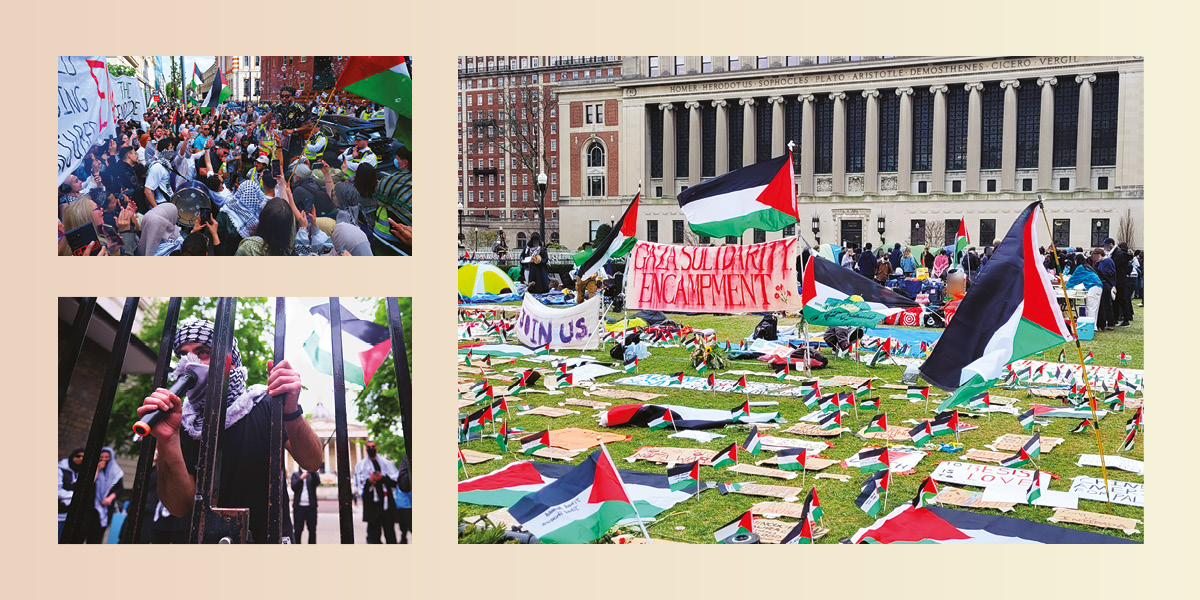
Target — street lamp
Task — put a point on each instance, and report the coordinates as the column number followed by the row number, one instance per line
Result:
column 460, row 218
column 541, row 186
column 881, row 226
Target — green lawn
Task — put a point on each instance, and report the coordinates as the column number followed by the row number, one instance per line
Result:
column 699, row 518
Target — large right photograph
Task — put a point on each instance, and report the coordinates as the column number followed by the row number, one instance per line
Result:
column 687, row 282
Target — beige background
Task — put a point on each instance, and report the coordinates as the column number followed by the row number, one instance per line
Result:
column 435, row 33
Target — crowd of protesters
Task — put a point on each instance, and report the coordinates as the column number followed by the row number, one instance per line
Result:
column 261, row 179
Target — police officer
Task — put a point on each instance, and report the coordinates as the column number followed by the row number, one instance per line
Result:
column 315, row 148
column 358, row 154
column 293, row 119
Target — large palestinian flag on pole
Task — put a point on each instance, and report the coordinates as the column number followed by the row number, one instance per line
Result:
column 760, row 196
column 1008, row 315
column 217, row 94
column 619, row 241
column 365, row 344
column 960, row 242
column 836, row 296
column 579, row 507
column 382, row 79
column 197, row 79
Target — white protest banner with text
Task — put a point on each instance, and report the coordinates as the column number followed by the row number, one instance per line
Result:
column 730, row 279
column 1120, row 492
column 85, row 109
column 570, row 327
column 964, row 473
column 129, row 103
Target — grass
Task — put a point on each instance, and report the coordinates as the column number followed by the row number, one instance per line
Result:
column 700, row 517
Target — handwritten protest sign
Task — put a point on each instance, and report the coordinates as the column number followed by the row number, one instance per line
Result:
column 85, row 109
column 794, row 510
column 1015, row 441
column 129, row 103
column 963, row 473
column 952, row 496
column 769, row 491
column 1083, row 517
column 770, row 531
column 1112, row 462
column 474, row 458
column 746, row 469
column 894, row 433
column 1120, row 492
column 717, row 279
column 678, row 456
column 986, row 456
column 775, row 444
column 570, row 327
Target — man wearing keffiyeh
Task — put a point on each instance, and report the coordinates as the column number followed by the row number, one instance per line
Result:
column 245, row 450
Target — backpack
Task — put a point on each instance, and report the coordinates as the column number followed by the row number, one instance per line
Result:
column 767, row 328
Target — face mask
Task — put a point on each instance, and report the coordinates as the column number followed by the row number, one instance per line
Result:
column 191, row 363
column 372, row 452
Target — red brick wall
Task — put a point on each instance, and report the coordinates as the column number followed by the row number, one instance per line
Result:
column 576, row 115
column 610, row 112
column 611, row 141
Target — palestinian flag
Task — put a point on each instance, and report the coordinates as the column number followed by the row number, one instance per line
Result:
column 810, row 393
column 812, row 505
column 752, row 444
column 980, row 402
column 792, row 459
column 197, row 79
column 740, row 386
column 1021, row 458
column 738, row 413
column 619, row 241
column 383, row 79
column 1026, row 419
column 691, row 344
column 801, row 533
column 502, row 436
column 365, row 344
column 880, row 354
column 578, row 507
column 921, row 434
column 1129, row 439
column 464, row 432
column 878, row 424
column 917, row 394
column 522, row 384
column 1010, row 314
column 544, row 350
column 742, row 524
column 682, row 477
column 1123, row 357
column 217, row 94
column 676, row 379
column 868, row 497
column 1087, row 360
column 535, row 442
column 1136, row 420
column 835, row 296
column 565, row 380
column 702, row 367
column 924, row 348
column 945, row 423
column 869, row 403
column 662, row 421
column 830, row 403
column 1034, row 491
column 940, row 525
column 1062, row 355
column 508, row 484
column 960, row 242
column 831, row 422
column 1115, row 400
column 462, row 461
column 784, row 371
column 728, row 488
column 864, row 389
column 712, row 381
column 154, row 100
column 1082, row 427
column 883, row 479
column 926, row 494
column 685, row 417
column 874, row 459
column 846, row 401
column 500, row 406
column 631, row 365
column 486, row 392
column 726, row 457
column 760, row 196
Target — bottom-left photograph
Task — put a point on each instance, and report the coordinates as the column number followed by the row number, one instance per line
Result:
column 232, row 420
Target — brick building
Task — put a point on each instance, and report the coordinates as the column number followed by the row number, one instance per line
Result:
column 505, row 140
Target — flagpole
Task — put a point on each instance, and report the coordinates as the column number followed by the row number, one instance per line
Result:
column 1082, row 365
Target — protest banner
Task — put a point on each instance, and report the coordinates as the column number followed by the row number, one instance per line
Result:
column 129, row 103
column 1081, row 517
column 770, row 491
column 1120, row 492
column 729, row 279
column 570, row 327
column 85, row 109
column 963, row 473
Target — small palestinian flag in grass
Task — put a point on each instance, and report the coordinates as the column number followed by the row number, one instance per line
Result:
column 676, row 380
column 468, row 358
column 464, row 432
column 847, row 401
column 726, row 457
column 868, row 497
column 792, row 459
column 487, row 360
column 1062, row 355
column 921, row 434
column 1024, row 454
column 878, row 424
column 917, row 394
column 535, row 442
column 1040, row 354
column 924, row 348
column 864, row 389
column 500, row 406
column 740, row 386
column 702, row 367
column 502, row 436
column 728, row 488
column 1115, row 400
column 691, row 344
column 869, row 403
column 801, row 533
column 875, row 459
column 1087, row 360
column 810, row 393
column 945, row 423
column 631, row 365
column 1026, row 420
column 879, row 355
column 980, row 402
column 1128, row 444
column 740, row 412
column 462, row 461
column 562, row 367
column 1082, row 427
column 542, row 351
column 830, row 403
column 1034, row 491
column 812, row 505
column 1136, row 420
column 742, row 524
column 831, row 422
column 487, row 392
column 682, row 477
column 926, row 495
column 712, row 381
column 662, row 421
column 784, row 371
column 752, row 444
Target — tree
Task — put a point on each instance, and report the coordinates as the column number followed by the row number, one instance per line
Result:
column 1127, row 229
column 379, row 402
column 601, row 231
column 519, row 130
column 935, row 234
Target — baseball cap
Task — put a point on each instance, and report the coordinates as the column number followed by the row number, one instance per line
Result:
column 263, row 160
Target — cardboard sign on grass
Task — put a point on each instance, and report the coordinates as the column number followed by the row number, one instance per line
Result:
column 474, row 458
column 894, row 433
column 548, row 411
column 626, row 395
column 678, row 456
column 1120, row 492
column 794, row 510
column 1083, row 517
column 964, row 473
column 773, row 443
column 986, row 455
column 813, row 430
column 746, row 469
column 588, row 403
column 770, row 531
column 999, row 492
column 902, row 460
column 556, row 453
column 770, row 491
column 952, row 496
column 811, row 463
column 577, row 439
column 1012, row 442
column 1112, row 462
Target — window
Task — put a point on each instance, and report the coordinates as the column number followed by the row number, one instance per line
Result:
column 677, row 231
column 303, row 59
column 762, row 138
column 553, row 145
column 987, row 232
column 856, row 133
column 708, row 136
column 599, row 116
column 682, row 143
column 247, row 61
column 1104, row 120
column 596, row 172
column 916, row 232
column 822, row 60
column 652, row 230
column 991, row 185
column 246, row 87
column 761, row 62
column 706, row 64
column 680, row 69
column 1099, row 232
column 589, row 114
column 656, row 140
column 956, row 186
column 956, row 128
column 1062, row 233
column 654, row 66
column 1064, row 184
column 824, row 124
column 1029, row 116
column 992, row 127
column 732, row 239
column 705, row 240
column 257, row 59
column 1102, row 183
column 1027, row 184
column 734, row 63
column 922, row 187
column 789, row 231
column 1066, row 122
column 889, row 131
column 521, row 241
column 793, row 123
column 793, row 61
column 922, row 144
column 951, row 231
column 736, row 117
column 760, row 236
column 257, row 82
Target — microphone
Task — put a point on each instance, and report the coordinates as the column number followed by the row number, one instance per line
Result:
column 186, row 382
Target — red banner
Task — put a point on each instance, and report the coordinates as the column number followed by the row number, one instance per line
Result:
column 717, row 279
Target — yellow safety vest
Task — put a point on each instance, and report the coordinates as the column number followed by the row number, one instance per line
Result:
column 352, row 163
column 311, row 155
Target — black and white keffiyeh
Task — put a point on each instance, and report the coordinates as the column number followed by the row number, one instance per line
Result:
column 239, row 400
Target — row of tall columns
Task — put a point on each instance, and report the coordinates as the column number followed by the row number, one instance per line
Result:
column 904, row 162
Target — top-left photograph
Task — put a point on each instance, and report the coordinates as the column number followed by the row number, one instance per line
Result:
column 235, row 155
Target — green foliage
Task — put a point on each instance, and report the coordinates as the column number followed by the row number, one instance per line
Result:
column 379, row 403
column 712, row 354
column 482, row 532
column 121, row 70
column 602, row 231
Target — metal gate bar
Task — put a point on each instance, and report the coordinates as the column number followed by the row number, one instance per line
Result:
column 275, row 464
column 131, row 534
column 403, row 378
column 208, row 467
column 70, row 352
column 85, row 489
column 346, row 516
